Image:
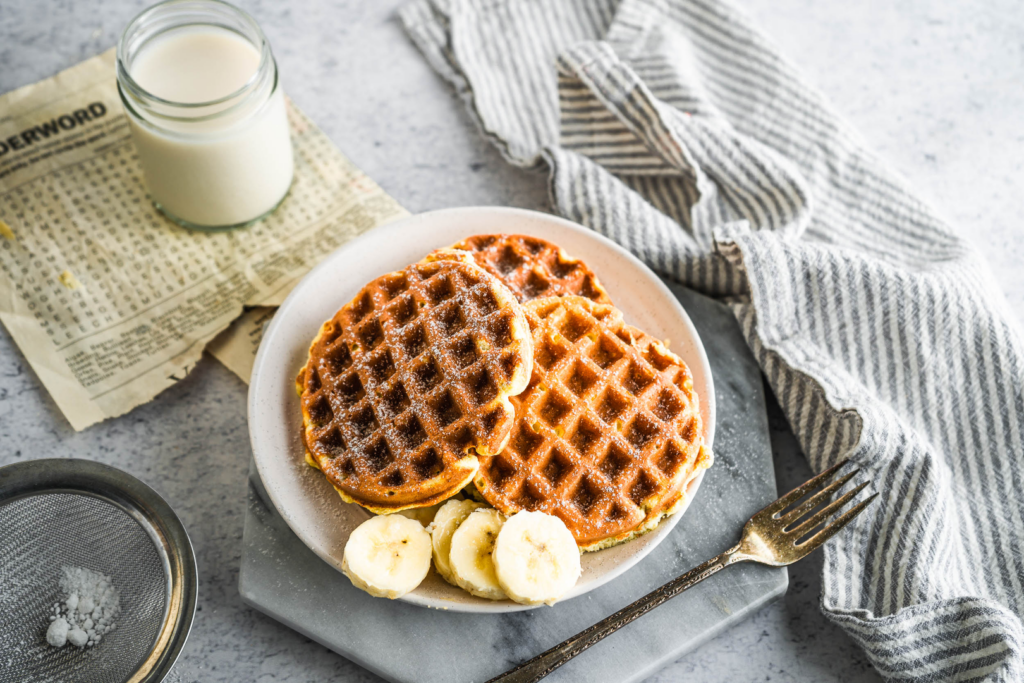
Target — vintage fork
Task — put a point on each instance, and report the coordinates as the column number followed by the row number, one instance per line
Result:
column 775, row 536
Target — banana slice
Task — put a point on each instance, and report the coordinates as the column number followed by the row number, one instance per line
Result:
column 470, row 554
column 387, row 556
column 536, row 558
column 446, row 521
column 422, row 515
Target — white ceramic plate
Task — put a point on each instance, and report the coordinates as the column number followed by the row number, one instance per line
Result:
column 302, row 495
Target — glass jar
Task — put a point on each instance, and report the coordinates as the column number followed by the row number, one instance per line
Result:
column 214, row 144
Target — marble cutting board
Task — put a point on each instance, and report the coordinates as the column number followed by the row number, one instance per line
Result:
column 400, row 642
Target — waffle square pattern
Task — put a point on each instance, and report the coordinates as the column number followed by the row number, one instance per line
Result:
column 608, row 432
column 409, row 381
column 530, row 267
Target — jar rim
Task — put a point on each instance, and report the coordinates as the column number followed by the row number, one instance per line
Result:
column 126, row 82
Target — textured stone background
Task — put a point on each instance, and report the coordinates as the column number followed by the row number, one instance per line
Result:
column 935, row 88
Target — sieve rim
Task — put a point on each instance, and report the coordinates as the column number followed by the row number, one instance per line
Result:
column 117, row 487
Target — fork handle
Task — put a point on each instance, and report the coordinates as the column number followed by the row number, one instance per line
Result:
column 546, row 662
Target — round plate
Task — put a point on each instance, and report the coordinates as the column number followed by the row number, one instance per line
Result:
column 302, row 495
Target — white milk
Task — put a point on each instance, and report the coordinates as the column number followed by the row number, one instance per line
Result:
column 232, row 164
column 195, row 65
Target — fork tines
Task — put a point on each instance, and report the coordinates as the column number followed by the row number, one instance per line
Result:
column 800, row 520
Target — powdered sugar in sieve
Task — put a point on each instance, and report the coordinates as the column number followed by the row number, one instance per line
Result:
column 78, row 528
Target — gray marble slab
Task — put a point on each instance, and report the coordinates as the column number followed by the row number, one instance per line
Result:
column 410, row 644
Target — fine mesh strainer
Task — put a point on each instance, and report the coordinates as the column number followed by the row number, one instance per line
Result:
column 77, row 513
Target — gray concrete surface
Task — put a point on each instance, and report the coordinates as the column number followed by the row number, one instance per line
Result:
column 934, row 87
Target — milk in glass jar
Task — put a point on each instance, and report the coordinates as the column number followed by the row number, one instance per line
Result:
column 201, row 90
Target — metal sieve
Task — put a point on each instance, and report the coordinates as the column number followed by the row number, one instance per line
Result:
column 78, row 513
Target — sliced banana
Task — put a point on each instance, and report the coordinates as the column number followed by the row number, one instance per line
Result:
column 536, row 558
column 470, row 554
column 422, row 515
column 446, row 521
column 387, row 556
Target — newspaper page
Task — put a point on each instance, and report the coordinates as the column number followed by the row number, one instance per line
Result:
column 236, row 346
column 111, row 302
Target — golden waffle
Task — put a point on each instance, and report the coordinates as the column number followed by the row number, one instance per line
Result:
column 408, row 379
column 529, row 266
column 608, row 433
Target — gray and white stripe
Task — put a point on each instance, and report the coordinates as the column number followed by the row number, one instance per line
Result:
column 673, row 127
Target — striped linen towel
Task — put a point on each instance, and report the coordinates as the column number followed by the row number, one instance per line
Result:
column 675, row 129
